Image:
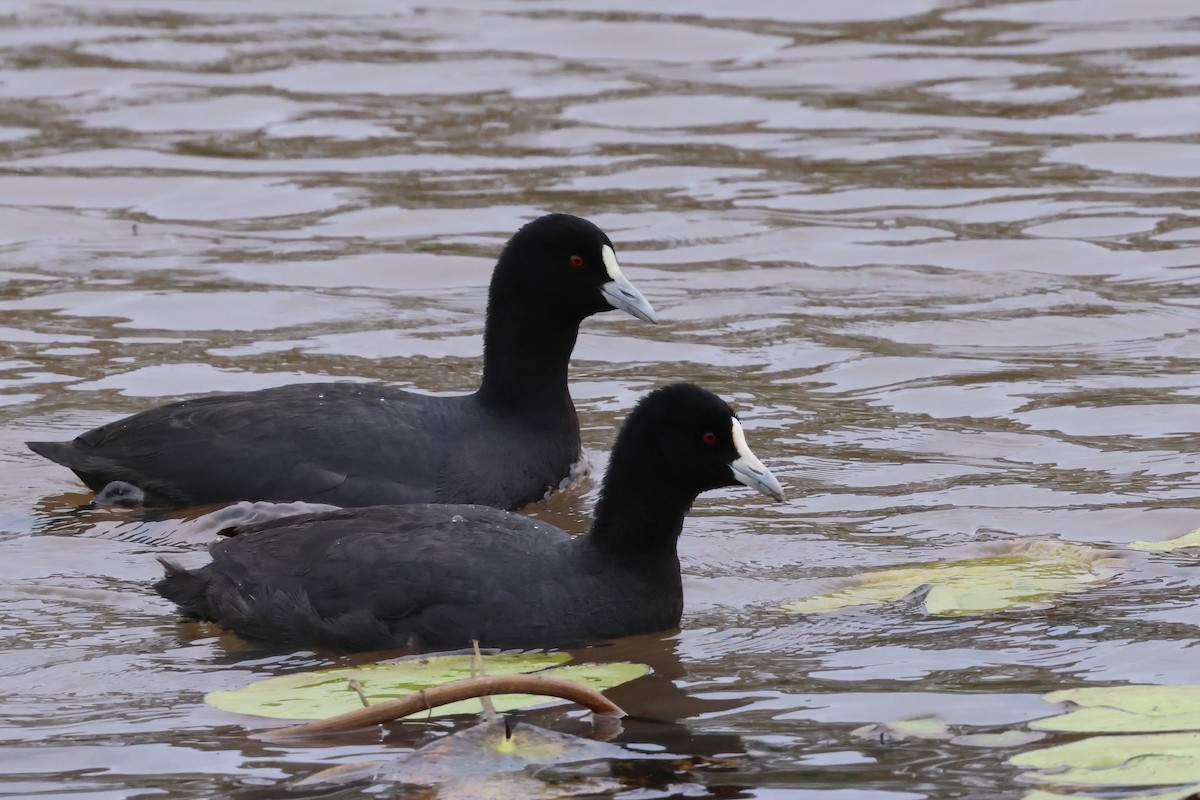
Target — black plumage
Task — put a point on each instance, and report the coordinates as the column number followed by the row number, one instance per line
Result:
column 351, row 444
column 430, row 576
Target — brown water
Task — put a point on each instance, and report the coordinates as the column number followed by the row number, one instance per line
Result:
column 943, row 256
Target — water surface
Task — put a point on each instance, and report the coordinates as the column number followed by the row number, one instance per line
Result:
column 943, row 256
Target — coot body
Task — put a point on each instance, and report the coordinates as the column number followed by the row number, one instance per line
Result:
column 435, row 576
column 352, row 444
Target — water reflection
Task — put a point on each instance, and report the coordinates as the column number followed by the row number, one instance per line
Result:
column 944, row 255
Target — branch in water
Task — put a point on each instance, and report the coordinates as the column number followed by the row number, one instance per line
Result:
column 452, row 692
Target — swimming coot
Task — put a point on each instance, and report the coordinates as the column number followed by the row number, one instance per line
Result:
column 435, row 576
column 354, row 444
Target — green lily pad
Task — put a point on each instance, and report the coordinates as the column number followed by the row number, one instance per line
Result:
column 1126, row 709
column 1154, row 758
column 1019, row 575
column 328, row 692
column 1176, row 794
column 1187, row 540
column 994, row 741
column 1159, row 759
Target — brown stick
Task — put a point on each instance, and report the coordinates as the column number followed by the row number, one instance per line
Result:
column 452, row 692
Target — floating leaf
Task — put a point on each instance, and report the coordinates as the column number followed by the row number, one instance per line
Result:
column 1160, row 759
column 1178, row 794
column 1022, row 574
column 1126, row 709
column 928, row 726
column 1013, row 738
column 327, row 692
column 1187, row 540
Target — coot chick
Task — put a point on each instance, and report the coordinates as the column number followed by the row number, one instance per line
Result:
column 354, row 444
column 437, row 576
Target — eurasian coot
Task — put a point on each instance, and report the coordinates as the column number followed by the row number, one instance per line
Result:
column 434, row 576
column 355, row 444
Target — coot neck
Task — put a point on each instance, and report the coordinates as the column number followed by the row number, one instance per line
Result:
column 639, row 514
column 526, row 355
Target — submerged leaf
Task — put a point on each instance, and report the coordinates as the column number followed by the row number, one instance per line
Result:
column 480, row 761
column 1126, row 709
column 344, row 773
column 1160, row 759
column 1187, row 540
column 1022, row 574
column 328, row 692
column 512, row 786
column 928, row 726
column 495, row 747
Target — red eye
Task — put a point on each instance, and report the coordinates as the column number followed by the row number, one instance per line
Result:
column 576, row 262
column 709, row 438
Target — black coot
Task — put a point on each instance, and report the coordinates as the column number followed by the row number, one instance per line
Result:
column 434, row 576
column 353, row 444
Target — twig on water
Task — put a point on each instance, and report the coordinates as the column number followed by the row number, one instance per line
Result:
column 478, row 671
column 357, row 687
column 465, row 689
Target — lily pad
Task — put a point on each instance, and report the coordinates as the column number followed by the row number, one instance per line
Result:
column 922, row 727
column 1002, row 739
column 328, row 692
column 1019, row 575
column 1126, row 709
column 1176, row 794
column 1187, row 540
column 1160, row 759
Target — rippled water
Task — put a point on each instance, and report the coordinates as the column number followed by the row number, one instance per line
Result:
column 944, row 257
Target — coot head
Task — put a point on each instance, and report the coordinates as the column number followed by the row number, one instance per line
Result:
column 569, row 267
column 694, row 442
